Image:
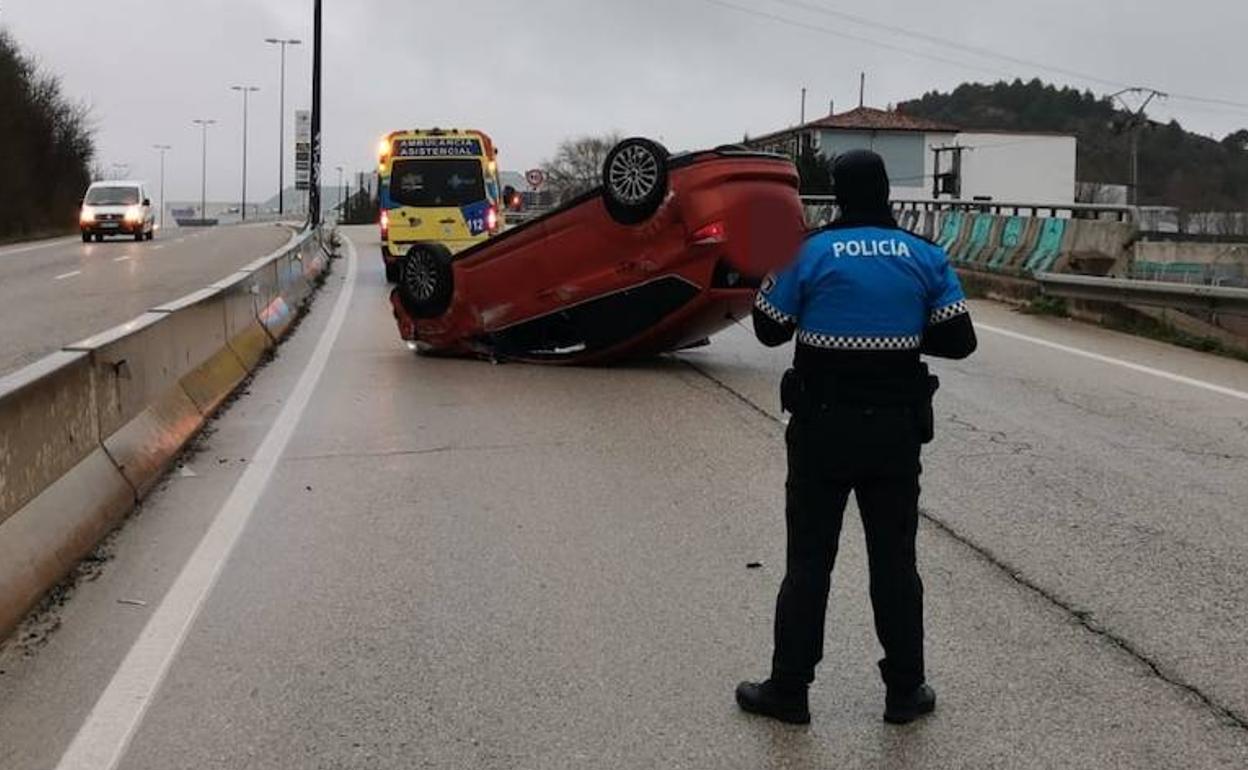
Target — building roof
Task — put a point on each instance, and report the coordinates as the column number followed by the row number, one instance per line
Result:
column 871, row 119
column 867, row 119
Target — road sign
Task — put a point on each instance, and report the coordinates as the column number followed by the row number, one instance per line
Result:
column 303, row 149
column 536, row 178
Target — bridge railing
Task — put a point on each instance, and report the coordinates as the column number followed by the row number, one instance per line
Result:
column 87, row 432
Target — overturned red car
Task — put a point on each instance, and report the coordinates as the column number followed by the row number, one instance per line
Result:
column 668, row 251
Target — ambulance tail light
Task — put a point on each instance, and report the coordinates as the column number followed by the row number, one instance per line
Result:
column 385, row 225
column 491, row 219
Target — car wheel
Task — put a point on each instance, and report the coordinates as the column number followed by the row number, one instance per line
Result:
column 99, row 237
column 86, row 237
column 634, row 180
column 151, row 234
column 426, row 282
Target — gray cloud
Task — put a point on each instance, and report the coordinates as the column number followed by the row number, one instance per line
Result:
column 531, row 72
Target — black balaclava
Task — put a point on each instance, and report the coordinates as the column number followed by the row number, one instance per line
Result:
column 862, row 191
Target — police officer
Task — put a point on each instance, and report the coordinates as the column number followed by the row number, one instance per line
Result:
column 865, row 299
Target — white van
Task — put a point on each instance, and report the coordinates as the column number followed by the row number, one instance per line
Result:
column 117, row 208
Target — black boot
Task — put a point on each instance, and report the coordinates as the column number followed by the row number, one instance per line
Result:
column 786, row 703
column 904, row 708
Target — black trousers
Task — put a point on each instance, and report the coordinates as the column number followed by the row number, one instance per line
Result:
column 874, row 452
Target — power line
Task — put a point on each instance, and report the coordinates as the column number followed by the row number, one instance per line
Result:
column 936, row 40
column 964, row 47
column 990, row 53
column 847, row 36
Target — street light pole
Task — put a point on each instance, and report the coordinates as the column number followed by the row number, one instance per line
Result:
column 203, row 189
column 281, row 143
column 314, row 175
column 245, row 91
column 162, row 148
column 339, row 192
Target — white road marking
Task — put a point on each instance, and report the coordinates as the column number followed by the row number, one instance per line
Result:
column 1171, row 376
column 63, row 276
column 103, row 739
column 125, row 258
column 37, row 246
column 158, row 247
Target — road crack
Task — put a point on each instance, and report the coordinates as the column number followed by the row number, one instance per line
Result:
column 441, row 449
column 1083, row 617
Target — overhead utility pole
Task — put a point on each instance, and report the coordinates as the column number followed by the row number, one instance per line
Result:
column 1138, row 122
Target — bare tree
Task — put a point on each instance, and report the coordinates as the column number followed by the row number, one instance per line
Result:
column 577, row 165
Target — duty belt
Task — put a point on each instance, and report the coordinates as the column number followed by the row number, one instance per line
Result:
column 800, row 394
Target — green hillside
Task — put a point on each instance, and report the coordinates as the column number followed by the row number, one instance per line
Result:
column 1177, row 167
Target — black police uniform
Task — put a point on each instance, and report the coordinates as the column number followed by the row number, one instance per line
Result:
column 865, row 299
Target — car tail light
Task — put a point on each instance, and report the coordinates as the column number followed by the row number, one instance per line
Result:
column 491, row 219
column 385, row 223
column 712, row 233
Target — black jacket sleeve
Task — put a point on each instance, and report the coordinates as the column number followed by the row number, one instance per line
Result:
column 952, row 338
column 771, row 332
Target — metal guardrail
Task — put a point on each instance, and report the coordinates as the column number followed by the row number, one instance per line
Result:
column 1012, row 208
column 1179, row 296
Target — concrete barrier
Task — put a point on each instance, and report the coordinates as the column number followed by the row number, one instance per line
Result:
column 59, row 490
column 1094, row 247
column 1017, row 237
column 244, row 333
column 979, row 245
column 88, row 431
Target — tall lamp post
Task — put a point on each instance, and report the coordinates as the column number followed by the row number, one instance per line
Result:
column 245, row 91
column 340, row 210
column 203, row 188
column 281, row 143
column 162, row 149
column 314, row 171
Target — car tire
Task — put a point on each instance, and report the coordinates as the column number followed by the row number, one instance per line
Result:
column 634, row 180
column 86, row 237
column 140, row 237
column 426, row 282
column 99, row 237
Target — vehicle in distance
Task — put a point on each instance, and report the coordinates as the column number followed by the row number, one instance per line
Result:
column 437, row 186
column 666, row 252
column 117, row 208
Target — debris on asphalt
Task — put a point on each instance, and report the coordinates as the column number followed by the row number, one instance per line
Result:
column 754, row 565
column 133, row 602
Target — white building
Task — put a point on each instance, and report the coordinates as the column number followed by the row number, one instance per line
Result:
column 1011, row 167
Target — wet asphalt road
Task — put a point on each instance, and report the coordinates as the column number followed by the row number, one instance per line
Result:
column 53, row 293
column 464, row 565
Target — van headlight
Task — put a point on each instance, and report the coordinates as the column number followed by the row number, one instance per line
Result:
column 134, row 214
column 87, row 216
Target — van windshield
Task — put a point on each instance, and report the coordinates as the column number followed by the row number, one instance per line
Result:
column 437, row 183
column 113, row 196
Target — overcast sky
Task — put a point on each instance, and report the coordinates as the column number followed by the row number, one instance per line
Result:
column 531, row 72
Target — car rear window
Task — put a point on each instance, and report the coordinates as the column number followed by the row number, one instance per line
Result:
column 435, row 183
column 113, row 196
